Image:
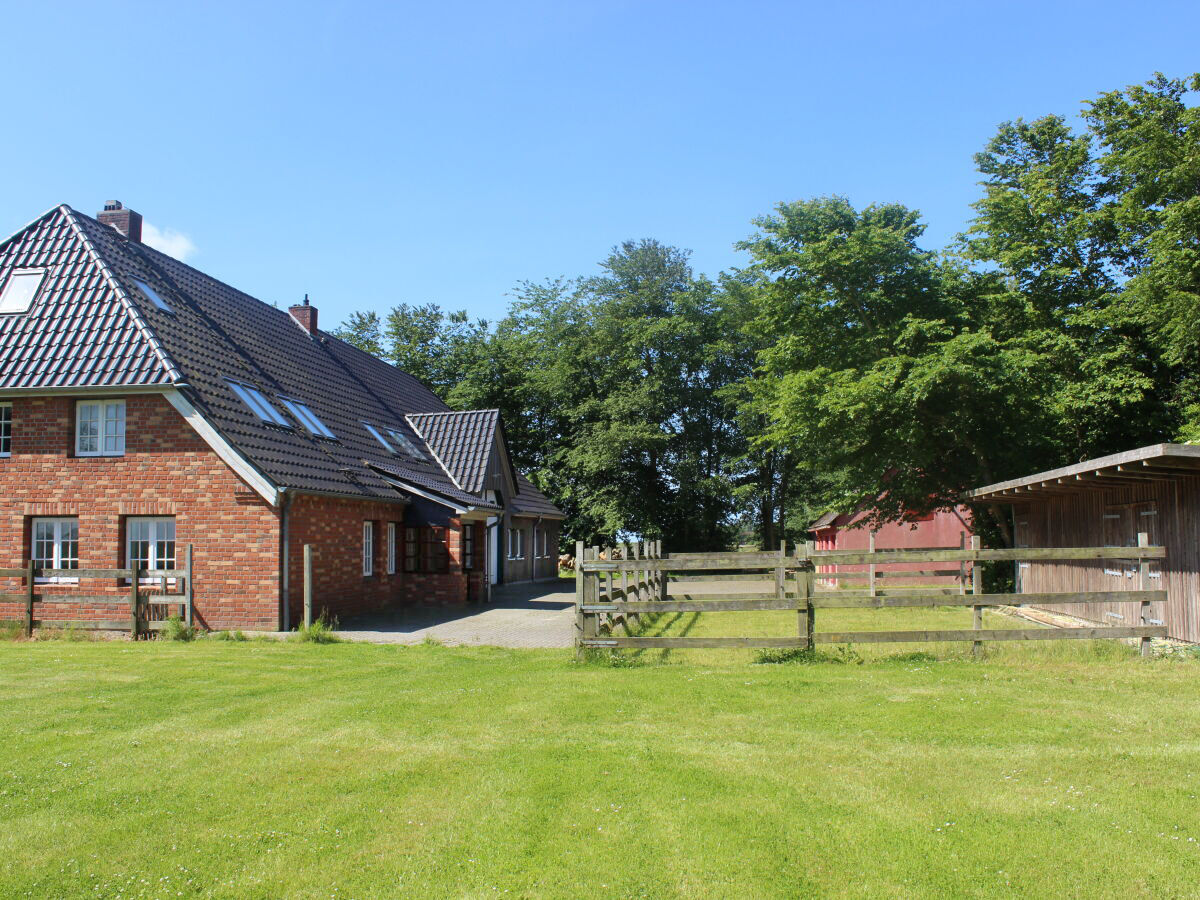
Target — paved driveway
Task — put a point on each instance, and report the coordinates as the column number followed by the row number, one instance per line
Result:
column 520, row 615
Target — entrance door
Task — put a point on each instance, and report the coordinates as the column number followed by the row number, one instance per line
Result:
column 493, row 550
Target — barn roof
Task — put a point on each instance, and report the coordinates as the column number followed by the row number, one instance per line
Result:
column 98, row 321
column 1152, row 463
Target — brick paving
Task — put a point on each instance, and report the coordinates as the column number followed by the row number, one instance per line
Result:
column 520, row 615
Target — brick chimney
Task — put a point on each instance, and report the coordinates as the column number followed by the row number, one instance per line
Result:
column 124, row 220
column 306, row 315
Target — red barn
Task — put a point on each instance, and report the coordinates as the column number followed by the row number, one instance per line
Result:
column 945, row 528
column 146, row 407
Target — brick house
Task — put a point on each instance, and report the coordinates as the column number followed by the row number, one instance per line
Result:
column 145, row 406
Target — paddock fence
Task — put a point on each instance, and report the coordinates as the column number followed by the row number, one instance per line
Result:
column 779, row 580
column 143, row 605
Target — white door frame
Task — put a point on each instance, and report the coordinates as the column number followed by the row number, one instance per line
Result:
column 493, row 550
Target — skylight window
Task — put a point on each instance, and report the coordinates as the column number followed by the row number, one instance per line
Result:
column 307, row 418
column 20, row 289
column 259, row 405
column 379, row 437
column 152, row 295
column 398, row 443
column 405, row 444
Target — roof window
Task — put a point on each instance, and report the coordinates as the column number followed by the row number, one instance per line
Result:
column 20, row 289
column 152, row 296
column 307, row 418
column 398, row 444
column 259, row 405
column 405, row 444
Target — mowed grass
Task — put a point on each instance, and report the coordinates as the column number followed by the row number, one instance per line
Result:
column 350, row 770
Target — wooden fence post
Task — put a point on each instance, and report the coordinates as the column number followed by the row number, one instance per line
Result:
column 1143, row 579
column 579, row 599
column 29, row 598
column 308, row 585
column 625, row 557
column 661, row 574
column 189, row 595
column 609, row 580
column 809, row 612
column 976, row 588
column 591, row 591
column 781, row 573
column 871, row 567
column 134, row 577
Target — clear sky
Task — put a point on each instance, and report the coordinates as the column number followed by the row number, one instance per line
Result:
column 373, row 153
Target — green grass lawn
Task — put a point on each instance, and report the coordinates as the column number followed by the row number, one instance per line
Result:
column 270, row 770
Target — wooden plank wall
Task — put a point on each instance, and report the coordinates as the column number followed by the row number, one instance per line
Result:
column 1078, row 520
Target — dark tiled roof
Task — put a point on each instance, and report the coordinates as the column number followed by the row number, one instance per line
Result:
column 419, row 478
column 83, row 329
column 532, row 502
column 92, row 325
column 462, row 441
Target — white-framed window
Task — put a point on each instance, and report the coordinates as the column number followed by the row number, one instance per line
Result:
column 19, row 289
column 153, row 296
column 368, row 548
column 541, row 542
column 306, row 417
column 468, row 546
column 150, row 543
column 516, row 543
column 56, row 546
column 5, row 429
column 100, row 428
column 391, row 548
column 257, row 403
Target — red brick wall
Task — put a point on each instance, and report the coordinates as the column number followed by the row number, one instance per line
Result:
column 166, row 470
column 334, row 528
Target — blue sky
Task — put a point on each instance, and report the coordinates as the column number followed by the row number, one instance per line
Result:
column 373, row 153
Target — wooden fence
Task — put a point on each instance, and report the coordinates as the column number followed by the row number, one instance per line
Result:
column 733, row 582
column 145, row 610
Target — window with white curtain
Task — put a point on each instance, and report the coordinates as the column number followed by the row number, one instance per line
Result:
column 100, row 428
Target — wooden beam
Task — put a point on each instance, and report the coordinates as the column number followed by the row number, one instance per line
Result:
column 1100, row 632
column 846, row 600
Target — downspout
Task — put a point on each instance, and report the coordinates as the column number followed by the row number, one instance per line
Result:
column 285, row 559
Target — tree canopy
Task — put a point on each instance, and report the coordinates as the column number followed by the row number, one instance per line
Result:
column 846, row 365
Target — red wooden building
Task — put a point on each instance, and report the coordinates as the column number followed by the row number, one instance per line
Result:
column 146, row 406
column 845, row 531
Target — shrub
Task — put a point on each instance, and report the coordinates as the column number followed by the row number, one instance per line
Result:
column 321, row 631
column 11, row 631
column 804, row 656
column 611, row 659
column 178, row 630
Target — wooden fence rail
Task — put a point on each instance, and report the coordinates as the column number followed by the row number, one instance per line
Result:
column 143, row 606
column 687, row 583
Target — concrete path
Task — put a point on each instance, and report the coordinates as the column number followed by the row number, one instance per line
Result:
column 520, row 615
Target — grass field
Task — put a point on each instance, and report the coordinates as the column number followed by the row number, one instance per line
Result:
column 269, row 770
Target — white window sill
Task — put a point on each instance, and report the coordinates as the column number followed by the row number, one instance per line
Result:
column 57, row 579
